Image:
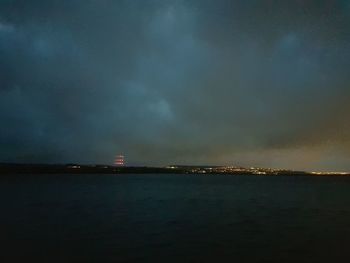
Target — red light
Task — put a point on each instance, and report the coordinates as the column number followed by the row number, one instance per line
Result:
column 119, row 160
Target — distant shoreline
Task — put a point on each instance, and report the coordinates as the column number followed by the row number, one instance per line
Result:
column 7, row 169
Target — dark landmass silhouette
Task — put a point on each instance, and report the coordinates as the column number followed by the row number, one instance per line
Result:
column 17, row 168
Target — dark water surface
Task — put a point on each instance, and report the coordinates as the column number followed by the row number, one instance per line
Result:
column 174, row 218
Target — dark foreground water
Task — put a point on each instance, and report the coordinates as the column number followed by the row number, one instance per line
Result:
column 174, row 218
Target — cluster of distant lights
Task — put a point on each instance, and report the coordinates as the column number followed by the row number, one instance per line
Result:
column 253, row 170
column 228, row 169
column 119, row 161
column 330, row 173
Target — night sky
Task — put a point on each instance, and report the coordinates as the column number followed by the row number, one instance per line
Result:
column 263, row 83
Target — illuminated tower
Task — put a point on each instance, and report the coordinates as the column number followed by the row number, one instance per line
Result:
column 119, row 160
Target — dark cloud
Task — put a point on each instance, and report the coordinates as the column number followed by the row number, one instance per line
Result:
column 222, row 82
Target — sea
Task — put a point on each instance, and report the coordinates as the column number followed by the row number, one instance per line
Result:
column 174, row 218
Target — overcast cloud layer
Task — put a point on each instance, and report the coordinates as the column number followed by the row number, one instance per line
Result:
column 263, row 83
